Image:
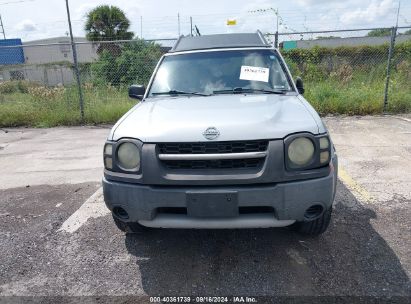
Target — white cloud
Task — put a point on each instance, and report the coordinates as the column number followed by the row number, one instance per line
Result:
column 26, row 25
column 130, row 8
column 375, row 10
column 82, row 10
column 160, row 16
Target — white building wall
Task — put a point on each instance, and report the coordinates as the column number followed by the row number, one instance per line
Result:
column 38, row 52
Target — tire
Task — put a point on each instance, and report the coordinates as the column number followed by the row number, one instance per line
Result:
column 128, row 227
column 315, row 227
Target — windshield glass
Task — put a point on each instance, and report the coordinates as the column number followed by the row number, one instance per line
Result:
column 218, row 71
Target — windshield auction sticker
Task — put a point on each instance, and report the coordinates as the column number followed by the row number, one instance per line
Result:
column 254, row 73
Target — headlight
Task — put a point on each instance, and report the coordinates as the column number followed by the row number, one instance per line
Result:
column 128, row 156
column 301, row 152
column 306, row 151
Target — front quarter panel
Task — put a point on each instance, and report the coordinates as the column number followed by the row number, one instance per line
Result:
column 321, row 127
column 113, row 129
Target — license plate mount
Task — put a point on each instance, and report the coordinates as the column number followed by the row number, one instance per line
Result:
column 212, row 204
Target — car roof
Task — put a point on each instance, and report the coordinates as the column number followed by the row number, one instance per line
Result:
column 237, row 40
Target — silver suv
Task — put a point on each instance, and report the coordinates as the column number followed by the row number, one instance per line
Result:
column 222, row 138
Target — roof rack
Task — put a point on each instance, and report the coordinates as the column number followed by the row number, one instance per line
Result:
column 238, row 40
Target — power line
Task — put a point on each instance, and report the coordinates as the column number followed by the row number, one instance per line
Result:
column 13, row 2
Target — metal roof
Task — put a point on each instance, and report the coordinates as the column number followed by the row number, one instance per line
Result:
column 188, row 43
column 10, row 52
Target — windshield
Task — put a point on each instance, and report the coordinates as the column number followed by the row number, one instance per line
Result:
column 206, row 73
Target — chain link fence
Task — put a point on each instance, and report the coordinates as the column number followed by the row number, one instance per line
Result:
column 351, row 66
column 119, row 64
column 40, row 80
column 343, row 72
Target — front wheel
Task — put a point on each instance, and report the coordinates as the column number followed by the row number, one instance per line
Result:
column 315, row 227
column 128, row 227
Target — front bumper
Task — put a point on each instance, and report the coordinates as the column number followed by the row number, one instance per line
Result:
column 289, row 201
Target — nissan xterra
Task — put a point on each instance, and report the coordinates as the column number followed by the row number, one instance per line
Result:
column 222, row 138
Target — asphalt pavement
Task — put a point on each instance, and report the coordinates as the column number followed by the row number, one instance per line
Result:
column 58, row 239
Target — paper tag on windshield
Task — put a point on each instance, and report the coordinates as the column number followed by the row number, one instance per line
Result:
column 254, row 73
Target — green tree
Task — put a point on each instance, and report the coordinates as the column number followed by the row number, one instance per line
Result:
column 134, row 64
column 106, row 23
column 379, row 33
column 407, row 32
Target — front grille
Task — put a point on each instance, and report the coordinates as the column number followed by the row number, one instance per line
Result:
column 214, row 164
column 214, row 147
column 221, row 147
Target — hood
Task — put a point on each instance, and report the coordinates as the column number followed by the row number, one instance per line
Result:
column 237, row 117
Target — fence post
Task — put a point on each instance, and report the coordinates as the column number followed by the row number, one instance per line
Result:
column 390, row 54
column 76, row 69
column 276, row 40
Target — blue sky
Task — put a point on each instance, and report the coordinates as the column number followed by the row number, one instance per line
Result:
column 36, row 19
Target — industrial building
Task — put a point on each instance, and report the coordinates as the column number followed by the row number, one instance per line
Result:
column 46, row 61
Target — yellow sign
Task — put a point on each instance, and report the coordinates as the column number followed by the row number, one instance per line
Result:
column 231, row 22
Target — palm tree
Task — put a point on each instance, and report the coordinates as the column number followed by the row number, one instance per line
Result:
column 106, row 23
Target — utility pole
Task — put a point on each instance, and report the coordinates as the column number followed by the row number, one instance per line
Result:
column 76, row 69
column 276, row 33
column 178, row 16
column 191, row 26
column 2, row 28
column 141, row 27
column 398, row 13
column 276, row 13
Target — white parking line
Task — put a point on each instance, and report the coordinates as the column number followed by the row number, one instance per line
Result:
column 93, row 207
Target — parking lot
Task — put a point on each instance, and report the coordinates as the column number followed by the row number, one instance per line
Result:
column 57, row 238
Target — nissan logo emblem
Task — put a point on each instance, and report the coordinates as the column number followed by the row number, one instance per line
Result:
column 211, row 133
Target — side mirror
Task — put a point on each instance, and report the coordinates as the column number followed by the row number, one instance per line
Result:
column 136, row 91
column 300, row 85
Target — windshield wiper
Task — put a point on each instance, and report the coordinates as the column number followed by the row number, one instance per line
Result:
column 249, row 90
column 175, row 92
